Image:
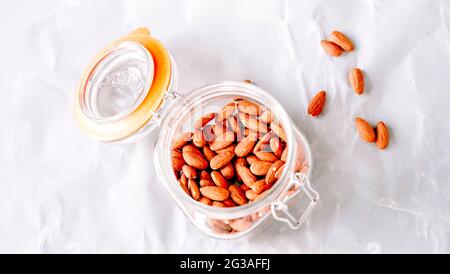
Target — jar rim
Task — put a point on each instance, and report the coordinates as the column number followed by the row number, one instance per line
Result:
column 197, row 97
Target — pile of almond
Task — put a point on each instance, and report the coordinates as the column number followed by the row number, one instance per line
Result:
column 336, row 44
column 231, row 157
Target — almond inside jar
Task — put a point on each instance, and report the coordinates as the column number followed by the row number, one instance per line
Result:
column 231, row 157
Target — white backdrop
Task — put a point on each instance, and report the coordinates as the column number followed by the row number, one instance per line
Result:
column 63, row 192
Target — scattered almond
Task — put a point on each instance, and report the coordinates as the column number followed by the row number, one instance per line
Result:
column 356, row 79
column 331, row 48
column 317, row 103
column 366, row 132
column 341, row 40
column 382, row 135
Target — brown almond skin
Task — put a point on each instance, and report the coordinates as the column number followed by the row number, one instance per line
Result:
column 278, row 130
column 198, row 139
column 279, row 171
column 177, row 160
column 244, row 187
column 218, row 204
column 317, row 104
column 382, row 135
column 222, row 141
column 266, row 156
column 366, row 131
column 245, row 146
column 229, row 203
column 183, row 180
column 252, row 123
column 270, row 176
column 215, row 193
column 260, row 186
column 220, row 160
column 237, row 195
column 182, row 140
column 331, row 48
column 204, row 175
column 189, row 171
column 209, row 154
column 341, row 40
column 218, row 179
column 195, row 160
column 205, row 200
column 251, row 195
column 251, row 159
column 193, row 187
column 276, row 146
column 229, row 148
column 246, row 175
column 260, row 168
column 248, row 107
column 191, row 148
column 204, row 120
column 228, row 171
column 185, row 189
column 206, row 182
column 356, row 78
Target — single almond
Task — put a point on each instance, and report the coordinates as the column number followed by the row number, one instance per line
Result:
column 218, row 179
column 183, row 180
column 366, row 132
column 201, row 122
column 331, row 48
column 248, row 107
column 246, row 175
column 222, row 141
column 214, row 193
column 252, row 123
column 189, row 171
column 199, row 139
column 209, row 154
column 382, row 135
column 225, row 112
column 356, row 79
column 228, row 171
column 260, row 186
column 177, row 160
column 206, row 182
column 341, row 40
column 317, row 103
column 266, row 156
column 239, row 162
column 220, row 160
column 276, row 146
column 284, row 154
column 193, row 188
column 229, row 203
column 251, row 159
column 237, row 195
column 278, row 130
column 245, row 146
column 260, row 168
column 205, row 200
column 195, row 160
column 248, row 81
column 270, row 176
column 182, row 140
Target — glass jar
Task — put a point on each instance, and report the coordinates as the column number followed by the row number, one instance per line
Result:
column 130, row 66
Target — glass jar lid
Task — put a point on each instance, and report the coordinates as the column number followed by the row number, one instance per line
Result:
column 123, row 87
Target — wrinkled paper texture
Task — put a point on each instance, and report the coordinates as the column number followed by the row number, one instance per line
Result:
column 63, row 192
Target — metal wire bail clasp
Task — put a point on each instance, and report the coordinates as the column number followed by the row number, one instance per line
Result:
column 300, row 182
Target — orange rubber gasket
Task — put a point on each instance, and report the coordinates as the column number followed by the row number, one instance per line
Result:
column 122, row 128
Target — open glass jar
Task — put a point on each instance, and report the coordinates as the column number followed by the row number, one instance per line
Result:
column 130, row 90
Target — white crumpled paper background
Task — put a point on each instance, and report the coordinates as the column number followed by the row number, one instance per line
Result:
column 63, row 192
